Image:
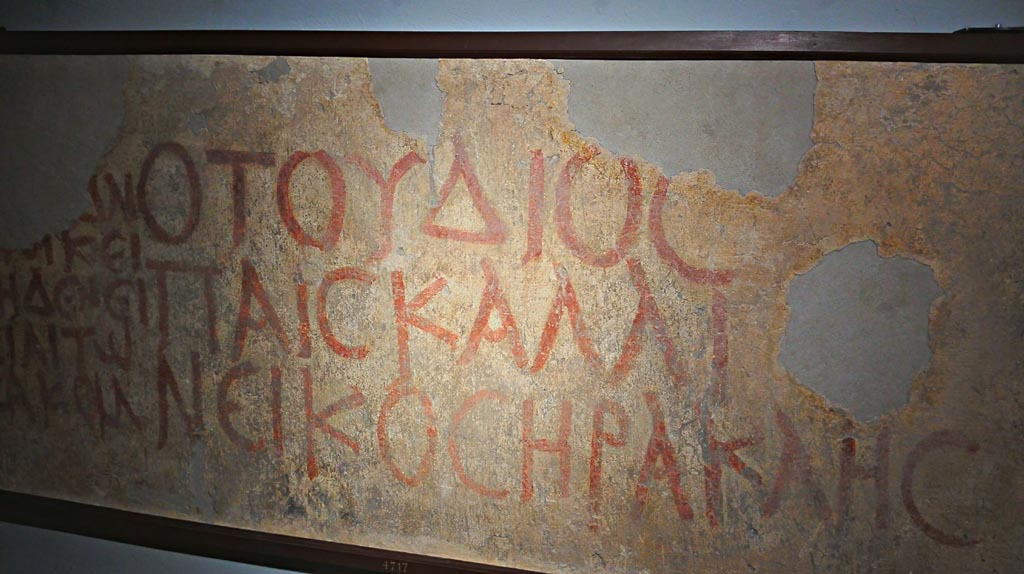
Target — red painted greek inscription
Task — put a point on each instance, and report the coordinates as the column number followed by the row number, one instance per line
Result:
column 659, row 447
column 494, row 231
column 40, row 252
column 51, row 396
column 560, row 446
column 565, row 300
column 598, row 439
column 226, row 406
column 32, row 350
column 208, row 273
column 77, row 248
column 8, row 357
column 9, row 296
column 795, row 467
column 37, row 299
column 99, row 213
column 717, row 453
column 647, row 313
column 935, row 441
column 319, row 421
column 302, row 299
column 656, row 225
column 332, row 233
column 118, row 300
column 276, row 410
column 252, row 287
column 113, row 251
column 16, row 398
column 136, row 251
column 563, row 212
column 535, row 225
column 720, row 324
column 84, row 391
column 406, row 316
column 167, row 384
column 720, row 345
column 239, row 160
column 79, row 336
column 493, row 300
column 397, row 391
column 122, row 408
column 878, row 473
column 71, row 296
column 193, row 187
column 387, row 194
column 122, row 199
column 113, row 353
column 337, row 276
column 453, row 446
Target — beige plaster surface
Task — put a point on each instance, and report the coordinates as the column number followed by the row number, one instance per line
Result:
column 315, row 374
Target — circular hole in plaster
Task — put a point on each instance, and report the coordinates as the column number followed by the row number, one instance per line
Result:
column 858, row 329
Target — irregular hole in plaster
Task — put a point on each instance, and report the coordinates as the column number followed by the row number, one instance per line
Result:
column 60, row 115
column 408, row 95
column 749, row 123
column 858, row 328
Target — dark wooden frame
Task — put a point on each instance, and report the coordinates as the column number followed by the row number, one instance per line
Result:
column 976, row 46
column 318, row 556
column 223, row 542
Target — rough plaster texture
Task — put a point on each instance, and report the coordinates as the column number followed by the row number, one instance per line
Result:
column 858, row 329
column 749, row 123
column 543, row 354
column 59, row 115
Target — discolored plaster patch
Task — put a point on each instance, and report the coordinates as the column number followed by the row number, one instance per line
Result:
column 60, row 115
column 749, row 123
column 196, row 123
column 858, row 329
column 273, row 72
column 408, row 95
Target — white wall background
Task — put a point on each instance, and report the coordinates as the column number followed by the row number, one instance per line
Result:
column 484, row 15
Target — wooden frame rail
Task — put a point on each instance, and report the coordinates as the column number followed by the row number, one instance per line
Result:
column 992, row 47
column 223, row 542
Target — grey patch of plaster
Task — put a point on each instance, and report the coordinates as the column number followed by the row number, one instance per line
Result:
column 747, row 122
column 408, row 95
column 274, row 71
column 196, row 123
column 59, row 116
column 858, row 328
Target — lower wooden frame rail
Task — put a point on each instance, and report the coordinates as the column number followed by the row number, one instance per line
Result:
column 223, row 542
